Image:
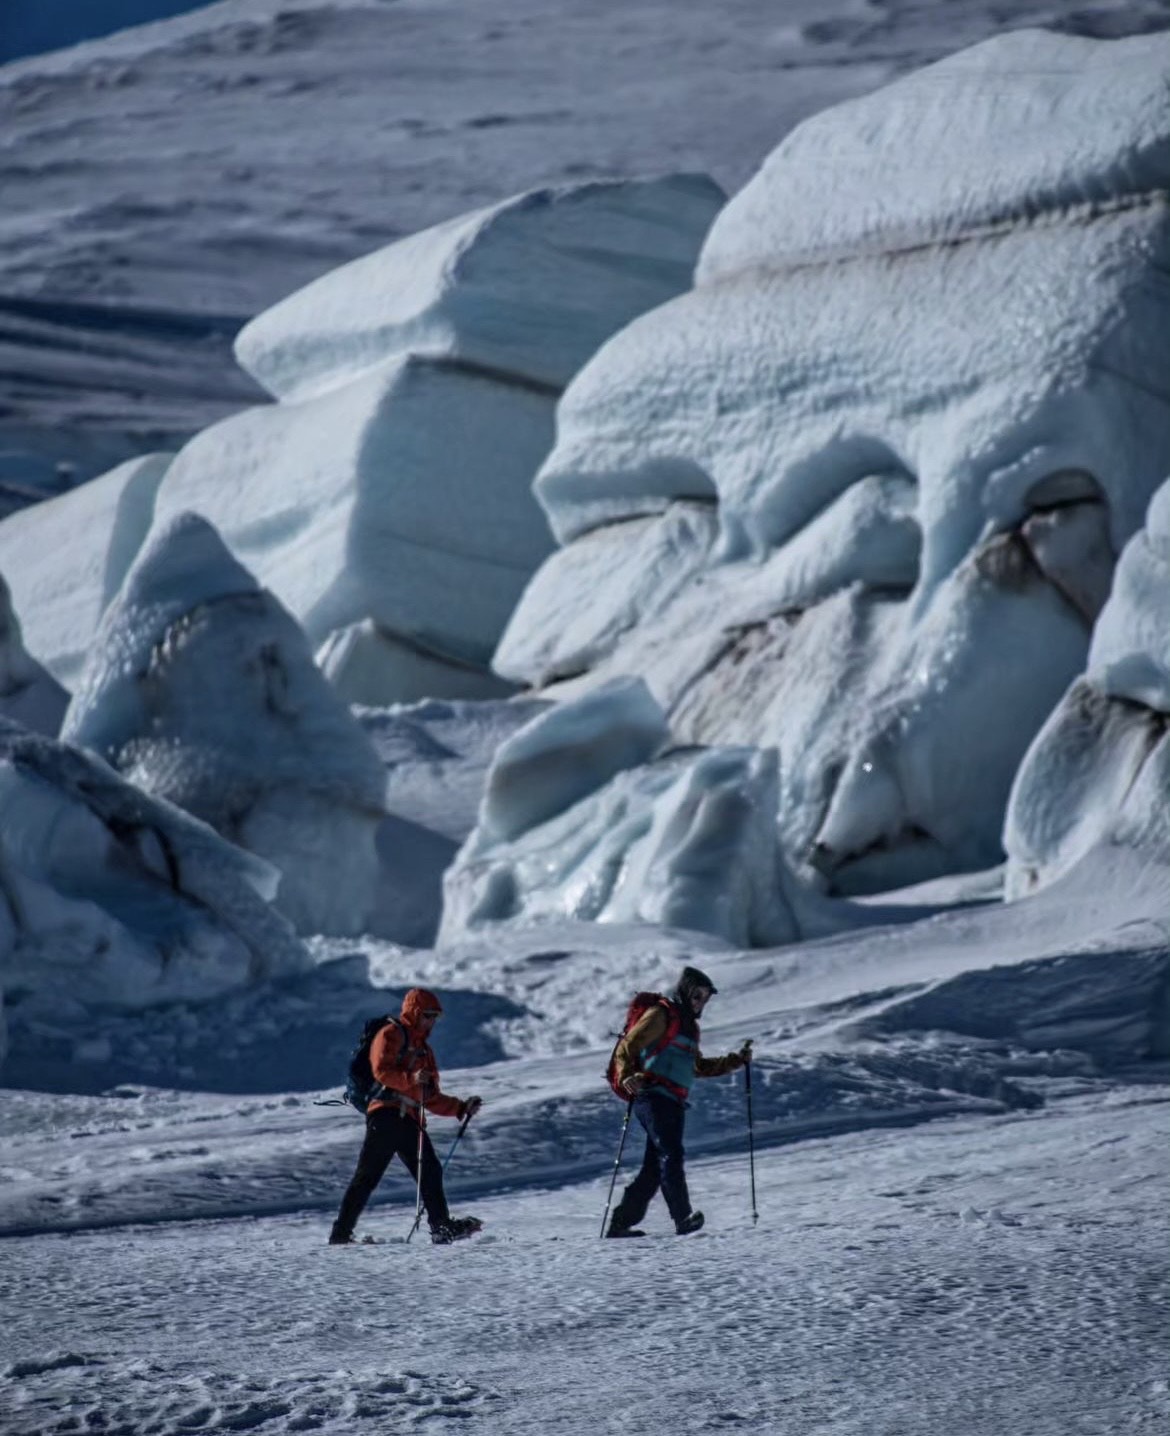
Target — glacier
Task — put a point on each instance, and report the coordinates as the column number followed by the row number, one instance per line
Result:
column 113, row 899
column 1098, row 772
column 528, row 288
column 887, row 450
column 386, row 498
column 67, row 556
column 201, row 689
column 589, row 814
column 29, row 695
column 168, row 1150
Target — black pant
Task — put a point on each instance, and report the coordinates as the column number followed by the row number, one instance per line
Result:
column 662, row 1165
column 390, row 1134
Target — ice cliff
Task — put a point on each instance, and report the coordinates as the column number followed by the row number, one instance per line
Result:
column 859, row 494
column 112, row 898
column 589, row 813
column 29, row 695
column 1098, row 772
column 386, row 499
column 201, row 689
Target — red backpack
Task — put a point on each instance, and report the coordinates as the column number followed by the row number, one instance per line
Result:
column 639, row 1004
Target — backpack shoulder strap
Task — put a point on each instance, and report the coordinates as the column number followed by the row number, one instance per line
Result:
column 404, row 1042
column 673, row 1023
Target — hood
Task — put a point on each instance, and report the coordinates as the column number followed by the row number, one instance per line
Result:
column 692, row 978
column 417, row 1002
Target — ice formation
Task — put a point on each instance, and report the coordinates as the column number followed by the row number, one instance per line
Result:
column 29, row 695
column 116, row 898
column 859, row 494
column 528, row 288
column 66, row 557
column 586, row 817
column 386, row 500
column 202, row 690
column 1098, row 772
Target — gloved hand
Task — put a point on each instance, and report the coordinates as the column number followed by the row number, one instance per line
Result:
column 634, row 1083
column 741, row 1058
column 424, row 1079
column 469, row 1107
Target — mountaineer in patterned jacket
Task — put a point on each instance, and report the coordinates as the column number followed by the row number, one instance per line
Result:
column 404, row 1067
column 656, row 1062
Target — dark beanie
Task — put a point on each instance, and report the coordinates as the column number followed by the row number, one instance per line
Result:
column 692, row 978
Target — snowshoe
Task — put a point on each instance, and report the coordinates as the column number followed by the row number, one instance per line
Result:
column 689, row 1224
column 619, row 1229
column 455, row 1230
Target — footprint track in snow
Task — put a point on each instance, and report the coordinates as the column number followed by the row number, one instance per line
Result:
column 70, row 1392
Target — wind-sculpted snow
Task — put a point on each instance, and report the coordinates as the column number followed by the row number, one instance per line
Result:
column 29, row 695
column 66, row 558
column 386, row 500
column 1070, row 121
column 201, row 689
column 858, row 495
column 115, row 898
column 584, row 817
column 402, row 497
column 1099, row 769
column 529, row 288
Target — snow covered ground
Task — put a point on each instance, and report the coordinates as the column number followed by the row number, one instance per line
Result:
column 960, row 1132
column 897, row 1284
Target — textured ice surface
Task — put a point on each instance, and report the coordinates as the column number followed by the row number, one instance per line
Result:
column 402, row 497
column 387, row 502
column 1099, row 769
column 364, row 663
column 117, row 898
column 567, row 752
column 65, row 558
column 1129, row 657
column 529, row 287
column 1069, row 122
column 201, row 689
column 29, row 695
column 581, row 820
column 887, row 451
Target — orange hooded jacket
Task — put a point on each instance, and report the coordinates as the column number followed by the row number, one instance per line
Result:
column 402, row 1061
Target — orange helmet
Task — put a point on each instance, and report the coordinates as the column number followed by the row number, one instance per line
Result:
column 419, row 1003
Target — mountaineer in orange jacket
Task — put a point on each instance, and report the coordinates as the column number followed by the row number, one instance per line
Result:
column 408, row 1085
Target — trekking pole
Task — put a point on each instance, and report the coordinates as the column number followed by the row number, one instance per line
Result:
column 747, row 1077
column 446, row 1159
column 418, row 1204
column 617, row 1163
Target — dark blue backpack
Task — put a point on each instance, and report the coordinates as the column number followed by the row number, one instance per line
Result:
column 361, row 1086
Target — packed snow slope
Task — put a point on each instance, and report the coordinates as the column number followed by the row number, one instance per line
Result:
column 165, row 184
column 915, row 1269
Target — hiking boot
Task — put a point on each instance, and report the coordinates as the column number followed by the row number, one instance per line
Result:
column 619, row 1229
column 689, row 1224
column 341, row 1239
column 455, row 1229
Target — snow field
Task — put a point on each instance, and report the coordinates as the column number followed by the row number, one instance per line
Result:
column 898, row 1284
